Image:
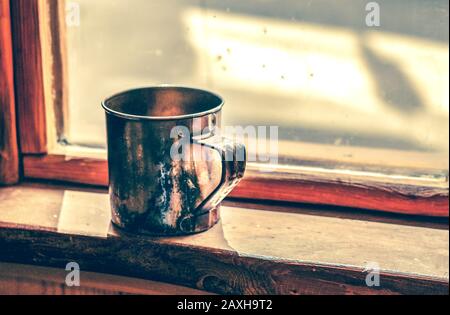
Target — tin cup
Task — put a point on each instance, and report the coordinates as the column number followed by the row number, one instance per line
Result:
column 169, row 167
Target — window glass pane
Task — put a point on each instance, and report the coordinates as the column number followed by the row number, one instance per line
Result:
column 323, row 71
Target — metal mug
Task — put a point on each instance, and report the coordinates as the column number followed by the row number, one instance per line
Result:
column 150, row 191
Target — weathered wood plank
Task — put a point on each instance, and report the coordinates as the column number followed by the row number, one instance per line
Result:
column 252, row 252
column 27, row 279
column 214, row 270
column 79, row 170
column 421, row 197
column 29, row 76
column 9, row 156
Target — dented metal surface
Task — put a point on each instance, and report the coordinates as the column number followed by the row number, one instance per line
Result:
column 152, row 193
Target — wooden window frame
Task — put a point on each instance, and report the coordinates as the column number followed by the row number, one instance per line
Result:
column 44, row 158
column 9, row 152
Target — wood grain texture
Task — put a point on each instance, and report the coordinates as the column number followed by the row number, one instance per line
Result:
column 59, row 167
column 17, row 279
column 250, row 252
column 9, row 156
column 219, row 271
column 424, row 197
column 364, row 196
column 29, row 76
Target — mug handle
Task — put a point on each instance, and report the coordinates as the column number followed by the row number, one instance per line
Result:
column 234, row 158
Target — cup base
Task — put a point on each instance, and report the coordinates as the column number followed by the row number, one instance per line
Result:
column 196, row 225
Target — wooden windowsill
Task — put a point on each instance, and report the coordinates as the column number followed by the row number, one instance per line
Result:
column 251, row 251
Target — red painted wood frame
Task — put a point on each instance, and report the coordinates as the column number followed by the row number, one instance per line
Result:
column 293, row 185
column 9, row 158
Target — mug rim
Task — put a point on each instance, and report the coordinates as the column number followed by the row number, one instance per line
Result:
column 162, row 86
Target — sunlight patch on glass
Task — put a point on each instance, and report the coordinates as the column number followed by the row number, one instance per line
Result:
column 335, row 77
